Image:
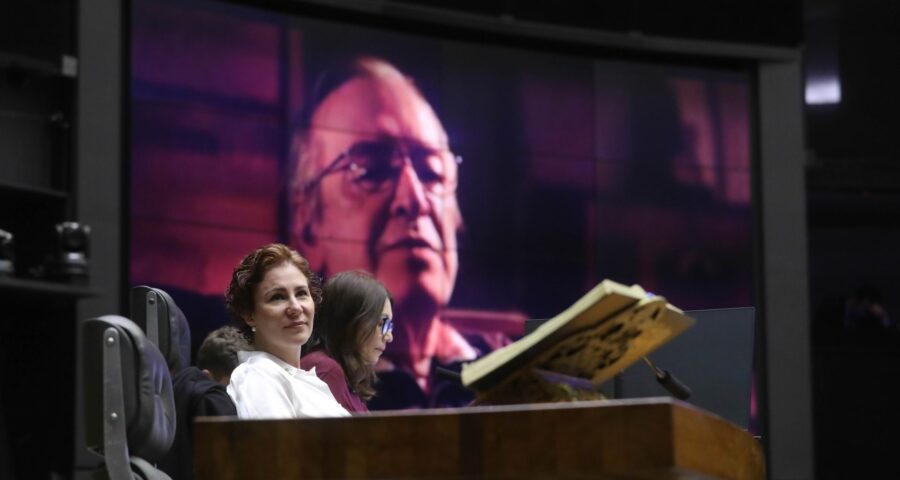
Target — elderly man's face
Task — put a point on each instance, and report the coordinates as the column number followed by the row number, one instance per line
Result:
column 397, row 219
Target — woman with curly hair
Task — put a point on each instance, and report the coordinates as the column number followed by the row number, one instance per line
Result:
column 354, row 326
column 273, row 296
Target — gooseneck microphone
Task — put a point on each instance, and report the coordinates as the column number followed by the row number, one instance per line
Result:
column 448, row 374
column 665, row 378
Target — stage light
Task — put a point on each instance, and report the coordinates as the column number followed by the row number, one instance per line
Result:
column 823, row 90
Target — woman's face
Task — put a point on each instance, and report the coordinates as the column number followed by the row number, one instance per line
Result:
column 283, row 311
column 374, row 344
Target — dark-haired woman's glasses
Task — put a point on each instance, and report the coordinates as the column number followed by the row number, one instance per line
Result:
column 387, row 327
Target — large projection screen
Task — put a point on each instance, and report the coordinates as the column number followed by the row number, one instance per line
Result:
column 573, row 169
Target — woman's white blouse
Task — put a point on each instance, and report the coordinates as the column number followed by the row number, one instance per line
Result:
column 264, row 386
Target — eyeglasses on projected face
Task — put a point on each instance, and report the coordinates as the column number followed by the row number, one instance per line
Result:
column 373, row 166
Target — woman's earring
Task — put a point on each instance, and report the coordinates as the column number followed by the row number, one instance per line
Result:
column 253, row 329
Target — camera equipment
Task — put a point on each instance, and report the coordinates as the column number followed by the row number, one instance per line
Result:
column 7, row 254
column 72, row 251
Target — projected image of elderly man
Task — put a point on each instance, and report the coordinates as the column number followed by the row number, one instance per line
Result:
column 374, row 188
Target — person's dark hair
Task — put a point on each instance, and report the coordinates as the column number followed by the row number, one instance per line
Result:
column 352, row 304
column 218, row 352
column 250, row 272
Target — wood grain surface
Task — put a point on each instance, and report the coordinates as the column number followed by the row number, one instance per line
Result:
column 629, row 439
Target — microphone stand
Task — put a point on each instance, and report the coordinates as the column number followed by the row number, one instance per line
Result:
column 665, row 378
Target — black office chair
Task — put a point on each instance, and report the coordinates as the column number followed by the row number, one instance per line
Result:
column 195, row 394
column 164, row 323
column 129, row 410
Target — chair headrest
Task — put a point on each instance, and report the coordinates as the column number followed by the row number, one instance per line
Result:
column 146, row 388
column 174, row 340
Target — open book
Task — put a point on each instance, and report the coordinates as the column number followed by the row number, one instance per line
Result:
column 570, row 355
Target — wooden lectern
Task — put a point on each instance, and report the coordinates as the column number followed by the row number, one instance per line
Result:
column 622, row 439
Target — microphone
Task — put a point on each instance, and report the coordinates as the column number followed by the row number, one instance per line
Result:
column 448, row 374
column 665, row 378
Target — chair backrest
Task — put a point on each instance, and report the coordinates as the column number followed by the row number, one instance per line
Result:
column 129, row 409
column 154, row 311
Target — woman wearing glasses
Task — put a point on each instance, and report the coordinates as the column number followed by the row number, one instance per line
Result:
column 273, row 294
column 353, row 327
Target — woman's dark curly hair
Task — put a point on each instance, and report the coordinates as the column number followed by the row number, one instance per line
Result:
column 249, row 273
column 352, row 304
